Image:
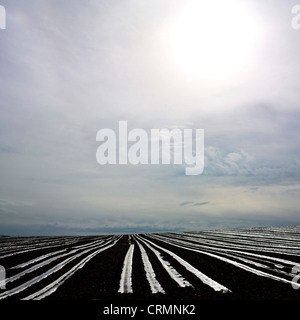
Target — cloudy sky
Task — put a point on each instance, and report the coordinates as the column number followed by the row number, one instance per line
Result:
column 71, row 68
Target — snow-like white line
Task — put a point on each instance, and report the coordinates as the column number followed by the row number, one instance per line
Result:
column 155, row 286
column 230, row 249
column 34, row 248
column 262, row 238
column 237, row 264
column 44, row 263
column 238, row 244
column 239, row 254
column 52, row 287
column 42, row 276
column 204, row 278
column 27, row 263
column 126, row 279
column 177, row 277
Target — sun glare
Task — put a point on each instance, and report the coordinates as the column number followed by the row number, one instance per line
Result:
column 213, row 40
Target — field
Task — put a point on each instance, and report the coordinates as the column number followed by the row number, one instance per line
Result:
column 257, row 263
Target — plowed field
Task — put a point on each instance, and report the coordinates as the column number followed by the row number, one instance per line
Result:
column 259, row 263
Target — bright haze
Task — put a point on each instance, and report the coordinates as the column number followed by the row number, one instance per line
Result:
column 71, row 68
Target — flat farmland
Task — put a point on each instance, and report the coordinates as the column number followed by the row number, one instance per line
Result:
column 256, row 263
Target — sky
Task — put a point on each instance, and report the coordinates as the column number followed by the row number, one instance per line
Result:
column 71, row 68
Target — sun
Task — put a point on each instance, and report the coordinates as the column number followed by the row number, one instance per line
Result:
column 213, row 39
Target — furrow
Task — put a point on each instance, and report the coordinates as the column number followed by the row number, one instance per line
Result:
column 205, row 279
column 177, row 277
column 126, row 279
column 150, row 274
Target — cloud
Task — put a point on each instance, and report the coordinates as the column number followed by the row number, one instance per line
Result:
column 193, row 204
column 217, row 162
column 185, row 203
column 201, row 203
column 69, row 70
